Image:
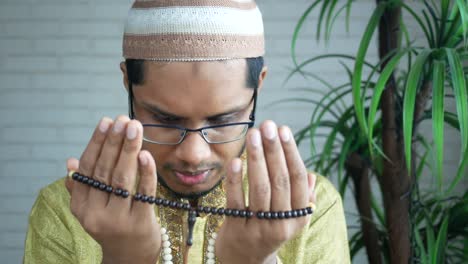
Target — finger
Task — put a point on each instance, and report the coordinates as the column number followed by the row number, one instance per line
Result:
column 72, row 165
column 277, row 168
column 107, row 161
column 259, row 184
column 148, row 181
column 69, row 185
column 88, row 160
column 297, row 170
column 312, row 179
column 234, row 190
column 124, row 175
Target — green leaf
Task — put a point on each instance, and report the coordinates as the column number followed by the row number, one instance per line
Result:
column 451, row 119
column 378, row 90
column 343, row 182
column 431, row 29
column 357, row 77
column 460, row 172
column 444, row 10
column 328, row 23
column 438, row 96
column 298, row 68
column 298, row 28
column 422, row 163
column 453, row 23
column 458, row 222
column 378, row 211
column 422, row 249
column 464, row 16
column 323, row 91
column 435, row 19
column 338, row 127
column 461, row 98
column 331, row 162
column 460, row 91
column 348, row 14
column 456, row 39
column 332, row 22
column 327, row 149
column 345, row 150
column 430, row 240
column 441, row 242
column 376, row 69
column 314, row 122
column 356, row 243
column 411, row 88
column 321, row 19
column 429, row 37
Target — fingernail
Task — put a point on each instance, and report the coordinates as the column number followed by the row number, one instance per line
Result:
column 270, row 130
column 104, row 126
column 118, row 126
column 131, row 131
column 255, row 138
column 143, row 159
column 236, row 166
column 285, row 134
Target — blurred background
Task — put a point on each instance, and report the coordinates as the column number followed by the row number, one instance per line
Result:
column 59, row 74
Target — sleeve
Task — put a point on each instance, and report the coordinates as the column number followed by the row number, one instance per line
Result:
column 47, row 239
column 54, row 235
column 325, row 239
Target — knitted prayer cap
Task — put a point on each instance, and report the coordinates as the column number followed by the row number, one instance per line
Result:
column 193, row 30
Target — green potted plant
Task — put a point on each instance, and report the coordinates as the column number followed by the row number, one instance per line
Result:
column 376, row 137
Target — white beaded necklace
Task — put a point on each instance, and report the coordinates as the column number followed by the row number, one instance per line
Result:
column 166, row 248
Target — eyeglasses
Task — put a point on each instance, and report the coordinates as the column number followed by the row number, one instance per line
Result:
column 173, row 134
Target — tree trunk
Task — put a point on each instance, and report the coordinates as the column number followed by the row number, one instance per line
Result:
column 359, row 171
column 395, row 180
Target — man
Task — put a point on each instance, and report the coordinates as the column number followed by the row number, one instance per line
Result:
column 192, row 70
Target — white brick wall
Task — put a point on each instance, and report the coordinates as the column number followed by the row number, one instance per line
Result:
column 59, row 74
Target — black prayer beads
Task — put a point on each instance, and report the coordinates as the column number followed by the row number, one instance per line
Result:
column 187, row 207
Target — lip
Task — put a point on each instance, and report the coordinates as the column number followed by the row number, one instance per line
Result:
column 192, row 178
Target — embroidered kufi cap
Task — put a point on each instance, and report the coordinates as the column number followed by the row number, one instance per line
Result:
column 193, row 30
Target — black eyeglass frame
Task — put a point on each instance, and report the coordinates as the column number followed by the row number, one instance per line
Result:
column 250, row 124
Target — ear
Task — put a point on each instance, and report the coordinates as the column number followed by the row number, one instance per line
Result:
column 123, row 68
column 261, row 78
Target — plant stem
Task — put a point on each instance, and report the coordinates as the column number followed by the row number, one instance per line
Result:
column 395, row 180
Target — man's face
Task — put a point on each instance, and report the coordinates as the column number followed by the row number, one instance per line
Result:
column 193, row 95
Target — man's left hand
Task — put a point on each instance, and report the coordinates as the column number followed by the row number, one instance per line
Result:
column 278, row 181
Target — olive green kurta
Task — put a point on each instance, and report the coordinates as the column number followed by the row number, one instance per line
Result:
column 55, row 236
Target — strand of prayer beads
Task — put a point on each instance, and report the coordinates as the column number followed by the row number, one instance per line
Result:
column 269, row 215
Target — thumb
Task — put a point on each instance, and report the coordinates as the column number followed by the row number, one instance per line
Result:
column 72, row 165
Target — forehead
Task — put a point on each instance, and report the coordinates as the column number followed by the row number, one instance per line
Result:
column 191, row 88
column 233, row 69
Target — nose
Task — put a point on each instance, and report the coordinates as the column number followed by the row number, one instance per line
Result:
column 194, row 149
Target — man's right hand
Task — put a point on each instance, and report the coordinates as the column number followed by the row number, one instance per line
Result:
column 127, row 230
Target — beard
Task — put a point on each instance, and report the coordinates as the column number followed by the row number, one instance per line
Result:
column 195, row 195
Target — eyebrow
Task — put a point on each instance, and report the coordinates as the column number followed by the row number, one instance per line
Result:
column 157, row 110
